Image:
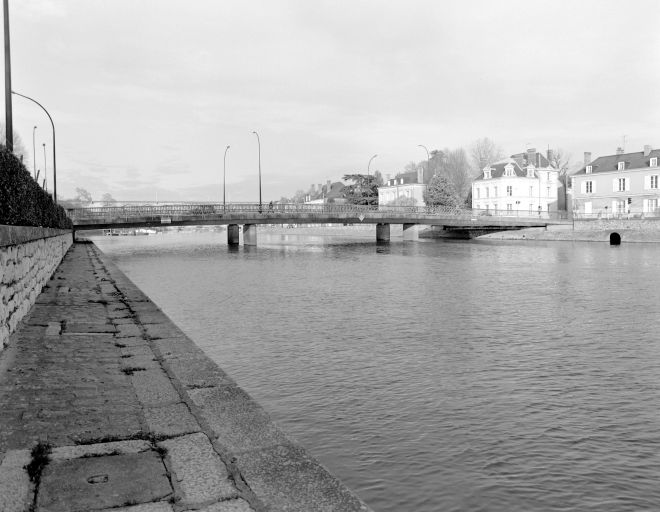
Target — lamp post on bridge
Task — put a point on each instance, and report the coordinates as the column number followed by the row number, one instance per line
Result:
column 369, row 164
column 259, row 145
column 224, row 187
column 54, row 158
column 45, row 167
column 34, row 154
column 428, row 157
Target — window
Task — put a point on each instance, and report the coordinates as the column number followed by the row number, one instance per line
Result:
column 619, row 206
column 653, row 181
column 654, row 162
column 487, row 192
column 509, row 190
column 652, row 205
column 621, row 166
column 495, row 207
column 486, row 174
column 621, row 184
column 531, row 191
column 478, row 193
column 589, row 169
column 589, row 187
column 548, row 191
column 509, row 207
column 495, row 192
column 531, row 208
column 508, row 170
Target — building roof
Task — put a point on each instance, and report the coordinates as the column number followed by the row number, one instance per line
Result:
column 610, row 163
column 519, row 162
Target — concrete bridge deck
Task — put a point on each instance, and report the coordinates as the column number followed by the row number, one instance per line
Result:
column 460, row 220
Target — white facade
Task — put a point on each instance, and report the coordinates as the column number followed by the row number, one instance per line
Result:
column 507, row 188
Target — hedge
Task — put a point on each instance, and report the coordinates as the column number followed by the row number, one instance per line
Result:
column 22, row 201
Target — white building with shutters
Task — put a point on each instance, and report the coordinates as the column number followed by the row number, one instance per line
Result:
column 523, row 184
column 623, row 184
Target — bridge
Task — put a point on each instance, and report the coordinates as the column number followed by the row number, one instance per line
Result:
column 458, row 222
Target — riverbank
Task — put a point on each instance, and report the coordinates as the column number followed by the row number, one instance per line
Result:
column 107, row 405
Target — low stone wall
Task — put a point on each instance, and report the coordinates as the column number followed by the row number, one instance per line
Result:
column 28, row 258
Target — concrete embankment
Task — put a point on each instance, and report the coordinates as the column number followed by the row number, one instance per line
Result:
column 592, row 230
column 107, row 405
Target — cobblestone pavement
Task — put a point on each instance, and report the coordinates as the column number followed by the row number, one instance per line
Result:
column 106, row 405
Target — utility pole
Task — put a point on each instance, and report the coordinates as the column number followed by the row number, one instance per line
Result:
column 9, row 124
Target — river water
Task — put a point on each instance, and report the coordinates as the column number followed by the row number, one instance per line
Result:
column 435, row 375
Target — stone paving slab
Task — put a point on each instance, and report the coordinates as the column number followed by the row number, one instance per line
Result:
column 159, row 506
column 239, row 422
column 286, row 478
column 198, row 474
column 103, row 482
column 14, row 482
column 238, row 505
column 171, row 420
column 117, row 447
column 153, row 388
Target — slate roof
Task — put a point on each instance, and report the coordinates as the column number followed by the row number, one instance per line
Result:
column 519, row 162
column 611, row 162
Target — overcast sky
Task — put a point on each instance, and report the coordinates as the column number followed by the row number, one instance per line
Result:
column 145, row 95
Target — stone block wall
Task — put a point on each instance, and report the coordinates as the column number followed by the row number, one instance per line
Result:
column 28, row 258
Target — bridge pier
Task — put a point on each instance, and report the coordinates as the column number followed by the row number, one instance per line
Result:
column 382, row 232
column 410, row 232
column 249, row 234
column 232, row 234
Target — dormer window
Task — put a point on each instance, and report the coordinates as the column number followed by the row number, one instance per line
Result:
column 508, row 170
column 653, row 162
column 530, row 171
column 589, row 169
column 487, row 174
column 621, row 166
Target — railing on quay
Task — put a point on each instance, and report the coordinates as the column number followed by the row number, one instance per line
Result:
column 130, row 210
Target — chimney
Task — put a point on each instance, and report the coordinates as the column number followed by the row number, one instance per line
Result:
column 587, row 157
column 551, row 157
column 531, row 156
column 647, row 150
column 328, row 184
column 619, row 150
column 312, row 188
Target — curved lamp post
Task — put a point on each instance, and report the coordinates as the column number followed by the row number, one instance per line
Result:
column 224, row 188
column 54, row 159
column 34, row 154
column 45, row 167
column 259, row 143
column 369, row 164
column 428, row 158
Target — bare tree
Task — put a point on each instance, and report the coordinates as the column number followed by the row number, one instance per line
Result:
column 456, row 168
column 108, row 200
column 483, row 152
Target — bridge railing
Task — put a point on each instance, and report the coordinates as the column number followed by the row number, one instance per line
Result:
column 152, row 211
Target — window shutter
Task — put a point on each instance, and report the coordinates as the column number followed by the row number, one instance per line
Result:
column 614, row 205
column 593, row 187
column 645, row 205
column 647, row 184
column 627, row 184
column 583, row 187
column 615, row 184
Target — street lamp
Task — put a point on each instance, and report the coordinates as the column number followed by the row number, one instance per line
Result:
column 224, row 188
column 54, row 159
column 45, row 168
column 369, row 164
column 428, row 158
column 34, row 155
column 259, row 144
